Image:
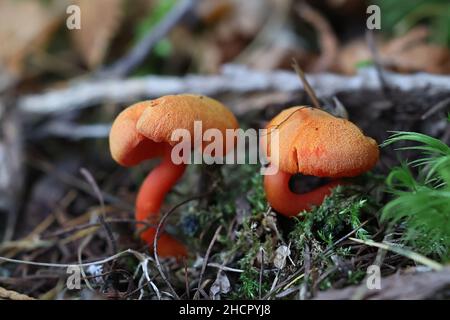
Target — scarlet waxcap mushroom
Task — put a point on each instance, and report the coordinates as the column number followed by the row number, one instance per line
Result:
column 313, row 142
column 144, row 131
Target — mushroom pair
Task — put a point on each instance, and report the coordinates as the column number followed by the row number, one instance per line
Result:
column 144, row 131
column 315, row 143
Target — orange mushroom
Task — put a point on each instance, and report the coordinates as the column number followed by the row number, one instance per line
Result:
column 313, row 142
column 144, row 131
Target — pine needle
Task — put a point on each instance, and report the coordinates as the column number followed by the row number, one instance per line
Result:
column 403, row 252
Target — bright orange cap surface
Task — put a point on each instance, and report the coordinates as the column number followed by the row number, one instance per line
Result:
column 138, row 131
column 313, row 142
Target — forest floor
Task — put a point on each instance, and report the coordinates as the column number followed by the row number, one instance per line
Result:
column 240, row 248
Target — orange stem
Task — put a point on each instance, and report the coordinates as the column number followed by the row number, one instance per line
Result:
column 150, row 198
column 288, row 203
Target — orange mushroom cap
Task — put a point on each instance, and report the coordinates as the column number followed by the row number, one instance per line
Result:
column 168, row 113
column 313, row 142
column 129, row 147
column 138, row 131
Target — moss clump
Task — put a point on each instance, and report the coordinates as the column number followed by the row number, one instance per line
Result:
column 421, row 203
column 339, row 213
column 320, row 229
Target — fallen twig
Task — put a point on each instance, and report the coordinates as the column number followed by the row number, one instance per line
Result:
column 371, row 43
column 224, row 268
column 90, row 179
column 11, row 171
column 402, row 251
column 234, row 78
column 306, row 85
column 72, row 131
column 438, row 106
column 96, row 224
column 139, row 52
column 66, row 265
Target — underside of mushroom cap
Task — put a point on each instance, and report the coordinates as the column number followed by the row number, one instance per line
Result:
column 313, row 142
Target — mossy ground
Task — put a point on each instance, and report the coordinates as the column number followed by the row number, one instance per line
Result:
column 255, row 232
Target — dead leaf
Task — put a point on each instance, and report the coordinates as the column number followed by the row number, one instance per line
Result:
column 220, row 286
column 408, row 53
column 211, row 12
column 24, row 27
column 281, row 254
column 412, row 53
column 350, row 55
column 246, row 19
column 423, row 57
column 232, row 24
column 99, row 21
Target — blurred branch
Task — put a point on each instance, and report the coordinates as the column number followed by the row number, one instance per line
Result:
column 234, row 78
column 371, row 43
column 73, row 131
column 140, row 51
column 11, row 171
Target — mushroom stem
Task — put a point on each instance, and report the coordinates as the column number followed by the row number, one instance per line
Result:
column 150, row 198
column 288, row 203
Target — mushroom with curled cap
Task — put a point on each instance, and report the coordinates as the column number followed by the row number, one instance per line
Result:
column 313, row 142
column 144, row 131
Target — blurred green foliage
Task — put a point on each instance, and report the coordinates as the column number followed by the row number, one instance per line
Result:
column 397, row 17
column 164, row 47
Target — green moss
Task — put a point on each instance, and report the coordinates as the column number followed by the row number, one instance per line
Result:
column 339, row 213
column 254, row 230
column 398, row 17
column 421, row 203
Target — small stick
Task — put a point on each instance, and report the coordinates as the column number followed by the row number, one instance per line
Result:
column 205, row 261
column 371, row 43
column 261, row 272
column 79, row 227
column 303, row 292
column 90, row 179
column 309, row 90
column 186, row 280
column 138, row 53
column 437, row 107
